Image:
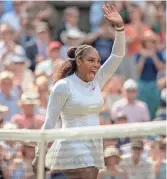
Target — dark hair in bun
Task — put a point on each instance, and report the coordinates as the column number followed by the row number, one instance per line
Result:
column 71, row 52
column 68, row 67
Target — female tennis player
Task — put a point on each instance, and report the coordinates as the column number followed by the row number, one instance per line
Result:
column 76, row 96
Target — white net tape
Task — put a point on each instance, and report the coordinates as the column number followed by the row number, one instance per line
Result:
column 109, row 131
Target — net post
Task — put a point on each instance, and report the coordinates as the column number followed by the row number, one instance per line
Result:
column 41, row 163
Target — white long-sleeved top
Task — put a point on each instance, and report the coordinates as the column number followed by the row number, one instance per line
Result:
column 79, row 103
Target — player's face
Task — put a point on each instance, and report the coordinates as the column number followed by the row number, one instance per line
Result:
column 89, row 66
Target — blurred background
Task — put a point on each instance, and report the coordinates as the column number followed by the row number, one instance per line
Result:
column 35, row 37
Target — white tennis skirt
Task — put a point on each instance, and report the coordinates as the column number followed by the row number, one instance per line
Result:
column 75, row 154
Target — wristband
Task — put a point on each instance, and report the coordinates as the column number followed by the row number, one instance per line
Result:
column 119, row 28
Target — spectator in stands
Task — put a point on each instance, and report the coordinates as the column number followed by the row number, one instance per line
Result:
column 102, row 40
column 42, row 85
column 46, row 12
column 54, row 55
column 28, row 155
column 112, row 92
column 122, row 119
column 135, row 110
column 12, row 18
column 3, row 112
column 95, row 8
column 9, row 150
column 110, row 142
column 105, row 114
column 153, row 150
column 70, row 38
column 134, row 32
column 114, row 85
column 159, row 25
column 161, row 83
column 38, row 74
column 7, row 97
column 161, row 78
column 114, row 89
column 9, row 66
column 26, row 33
column 8, row 47
column 7, row 6
column 149, row 12
column 21, row 72
column 122, row 7
column 135, row 29
column 95, row 20
column 27, row 118
column 161, row 112
column 17, row 169
column 1, row 9
column 149, row 62
column 71, row 19
column 37, row 50
column 134, row 165
column 112, row 169
column 160, row 162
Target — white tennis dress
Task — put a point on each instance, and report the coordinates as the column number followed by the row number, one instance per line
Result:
column 79, row 103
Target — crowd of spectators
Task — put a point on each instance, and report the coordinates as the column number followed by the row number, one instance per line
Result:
column 33, row 43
